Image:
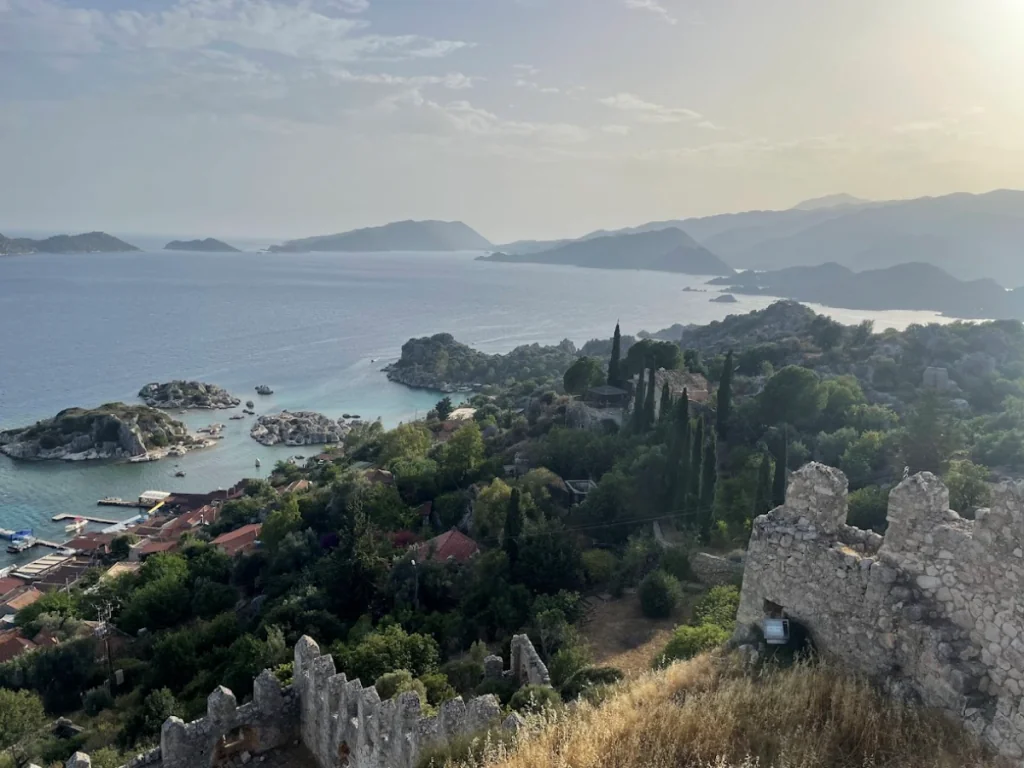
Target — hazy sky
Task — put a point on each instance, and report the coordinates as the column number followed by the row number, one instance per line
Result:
column 524, row 118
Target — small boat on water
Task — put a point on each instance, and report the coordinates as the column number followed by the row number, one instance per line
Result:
column 76, row 525
column 20, row 545
column 263, row 389
column 236, row 417
column 257, row 463
column 180, row 473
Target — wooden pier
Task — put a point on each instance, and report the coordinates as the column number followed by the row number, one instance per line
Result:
column 115, row 502
column 90, row 518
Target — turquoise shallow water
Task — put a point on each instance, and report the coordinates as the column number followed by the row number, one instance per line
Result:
column 87, row 329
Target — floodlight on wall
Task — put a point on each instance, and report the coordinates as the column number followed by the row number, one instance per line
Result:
column 776, row 631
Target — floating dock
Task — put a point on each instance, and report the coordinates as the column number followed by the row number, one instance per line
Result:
column 90, row 518
column 113, row 501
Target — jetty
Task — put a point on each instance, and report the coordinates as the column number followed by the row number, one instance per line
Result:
column 114, row 501
column 90, row 518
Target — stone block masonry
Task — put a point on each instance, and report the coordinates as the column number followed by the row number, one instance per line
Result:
column 933, row 610
column 341, row 723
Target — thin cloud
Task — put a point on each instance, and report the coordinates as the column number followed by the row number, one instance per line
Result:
column 536, row 87
column 652, row 6
column 649, row 111
column 453, row 80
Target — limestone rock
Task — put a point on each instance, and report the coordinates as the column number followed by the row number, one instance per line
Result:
column 298, row 428
column 187, row 394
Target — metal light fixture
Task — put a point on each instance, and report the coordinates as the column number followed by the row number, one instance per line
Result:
column 776, row 631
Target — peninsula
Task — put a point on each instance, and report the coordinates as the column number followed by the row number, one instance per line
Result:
column 663, row 250
column 112, row 431
column 187, row 394
column 398, row 236
column 209, row 245
column 90, row 242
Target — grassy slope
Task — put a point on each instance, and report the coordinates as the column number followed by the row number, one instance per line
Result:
column 706, row 713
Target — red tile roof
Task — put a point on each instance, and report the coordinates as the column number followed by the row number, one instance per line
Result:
column 22, row 600
column 152, row 547
column 240, row 540
column 454, row 545
column 10, row 584
column 12, row 644
column 297, row 486
column 91, row 542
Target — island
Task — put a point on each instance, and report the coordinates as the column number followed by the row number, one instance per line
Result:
column 187, row 394
column 441, row 363
column 912, row 286
column 209, row 245
column 398, row 236
column 725, row 298
column 90, row 242
column 112, row 431
column 662, row 250
column 298, row 428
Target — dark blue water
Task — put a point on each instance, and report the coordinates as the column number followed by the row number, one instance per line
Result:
column 83, row 330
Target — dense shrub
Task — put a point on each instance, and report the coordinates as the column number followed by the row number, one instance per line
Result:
column 463, row 675
column 535, row 698
column 599, row 566
column 503, row 689
column 587, row 678
column 718, row 607
column 393, row 683
column 688, row 641
column 96, row 700
column 659, row 593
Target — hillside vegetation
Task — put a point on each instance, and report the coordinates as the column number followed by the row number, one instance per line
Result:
column 708, row 713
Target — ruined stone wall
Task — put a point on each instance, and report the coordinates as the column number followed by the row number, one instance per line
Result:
column 343, row 724
column 934, row 609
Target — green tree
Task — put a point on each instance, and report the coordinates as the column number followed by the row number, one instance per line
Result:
column 929, row 438
column 697, row 459
column 388, row 650
column 968, row 487
column 490, row 509
column 121, row 546
column 513, row 528
column 615, row 363
column 679, row 461
column 762, row 494
column 280, row 523
column 391, row 684
column 723, row 414
column 444, row 408
column 842, row 394
column 708, row 480
column 665, row 406
column 652, row 394
column 583, row 374
column 638, row 403
column 868, row 508
column 648, row 352
column 145, row 722
column 463, row 453
column 406, row 441
column 659, row 592
column 21, row 713
column 794, row 396
column 779, row 482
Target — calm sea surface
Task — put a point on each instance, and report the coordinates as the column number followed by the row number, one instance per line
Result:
column 89, row 329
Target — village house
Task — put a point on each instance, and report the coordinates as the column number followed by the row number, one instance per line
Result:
column 453, row 545
column 245, row 539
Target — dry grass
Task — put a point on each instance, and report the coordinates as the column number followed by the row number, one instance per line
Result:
column 707, row 714
column 620, row 636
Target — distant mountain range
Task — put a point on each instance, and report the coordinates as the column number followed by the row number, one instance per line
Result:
column 90, row 242
column 661, row 250
column 398, row 236
column 829, row 201
column 209, row 245
column 914, row 286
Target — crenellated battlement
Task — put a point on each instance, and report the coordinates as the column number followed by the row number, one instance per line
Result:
column 933, row 607
column 342, row 723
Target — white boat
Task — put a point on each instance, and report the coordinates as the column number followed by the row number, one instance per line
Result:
column 257, row 463
column 75, row 526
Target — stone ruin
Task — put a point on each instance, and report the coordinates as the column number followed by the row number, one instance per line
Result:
column 932, row 610
column 341, row 723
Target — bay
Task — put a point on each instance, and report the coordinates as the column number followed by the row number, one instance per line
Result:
column 86, row 329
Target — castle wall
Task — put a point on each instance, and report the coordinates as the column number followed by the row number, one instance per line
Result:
column 933, row 608
column 341, row 723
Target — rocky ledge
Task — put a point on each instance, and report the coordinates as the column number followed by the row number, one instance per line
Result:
column 298, row 428
column 187, row 394
column 112, row 431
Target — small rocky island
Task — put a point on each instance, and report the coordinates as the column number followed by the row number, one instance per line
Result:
column 725, row 298
column 298, row 428
column 209, row 245
column 187, row 394
column 112, row 431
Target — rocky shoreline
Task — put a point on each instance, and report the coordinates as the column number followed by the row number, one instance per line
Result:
column 299, row 428
column 418, row 378
column 187, row 394
column 113, row 431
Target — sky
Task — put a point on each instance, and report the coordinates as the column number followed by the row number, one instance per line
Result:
column 523, row 118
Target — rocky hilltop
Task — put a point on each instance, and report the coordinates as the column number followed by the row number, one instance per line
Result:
column 397, row 236
column 90, row 242
column 209, row 245
column 187, row 394
column 440, row 362
column 298, row 428
column 112, row 431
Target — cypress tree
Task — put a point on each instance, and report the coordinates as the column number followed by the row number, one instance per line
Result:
column 708, row 480
column 679, row 455
column 638, row 404
column 779, row 483
column 724, row 400
column 762, row 495
column 665, row 407
column 615, row 364
column 652, row 394
column 697, row 459
column 513, row 528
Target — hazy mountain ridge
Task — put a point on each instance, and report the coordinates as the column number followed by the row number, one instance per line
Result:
column 88, row 242
column 839, row 200
column 662, row 250
column 397, row 236
column 910, row 286
column 209, row 245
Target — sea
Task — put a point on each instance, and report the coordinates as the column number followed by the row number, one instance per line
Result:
column 87, row 329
